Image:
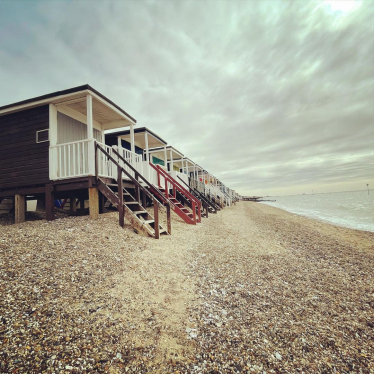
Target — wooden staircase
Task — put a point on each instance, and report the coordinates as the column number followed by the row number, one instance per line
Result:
column 209, row 206
column 215, row 200
column 187, row 207
column 142, row 221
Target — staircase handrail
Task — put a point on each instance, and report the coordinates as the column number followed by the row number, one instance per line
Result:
column 174, row 182
column 98, row 146
column 164, row 199
column 201, row 196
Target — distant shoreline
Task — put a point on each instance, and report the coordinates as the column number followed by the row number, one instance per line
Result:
column 332, row 221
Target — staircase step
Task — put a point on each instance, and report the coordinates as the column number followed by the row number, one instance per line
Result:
column 148, row 221
column 140, row 212
column 130, row 202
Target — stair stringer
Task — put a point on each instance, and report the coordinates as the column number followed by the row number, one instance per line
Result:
column 175, row 209
column 141, row 227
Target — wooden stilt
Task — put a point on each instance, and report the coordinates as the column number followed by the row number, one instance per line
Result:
column 101, row 203
column 20, row 208
column 49, row 202
column 157, row 225
column 168, row 216
column 81, row 203
column 144, row 200
column 73, row 204
column 93, row 194
column 121, row 208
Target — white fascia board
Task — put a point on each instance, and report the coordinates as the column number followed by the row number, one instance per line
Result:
column 115, row 125
column 37, row 103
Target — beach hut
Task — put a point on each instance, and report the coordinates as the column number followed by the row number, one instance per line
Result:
column 162, row 166
column 169, row 174
column 53, row 147
column 139, row 142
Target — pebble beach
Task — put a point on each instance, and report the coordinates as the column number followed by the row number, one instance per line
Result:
column 251, row 289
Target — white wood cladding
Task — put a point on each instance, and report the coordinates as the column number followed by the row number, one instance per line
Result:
column 71, row 130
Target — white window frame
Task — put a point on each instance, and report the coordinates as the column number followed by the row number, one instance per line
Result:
column 37, row 136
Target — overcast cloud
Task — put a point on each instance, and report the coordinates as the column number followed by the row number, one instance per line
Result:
column 271, row 97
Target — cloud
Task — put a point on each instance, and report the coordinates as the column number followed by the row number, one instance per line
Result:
column 264, row 95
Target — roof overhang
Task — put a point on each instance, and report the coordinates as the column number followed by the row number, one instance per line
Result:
column 185, row 162
column 171, row 153
column 74, row 101
column 154, row 141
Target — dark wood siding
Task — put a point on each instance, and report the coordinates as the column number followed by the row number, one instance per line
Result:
column 23, row 161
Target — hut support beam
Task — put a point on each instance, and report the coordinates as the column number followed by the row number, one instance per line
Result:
column 20, row 208
column 93, row 194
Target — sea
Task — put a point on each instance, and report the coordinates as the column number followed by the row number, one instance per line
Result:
column 354, row 209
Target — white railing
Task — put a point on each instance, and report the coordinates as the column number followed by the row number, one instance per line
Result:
column 152, row 176
column 105, row 166
column 70, row 160
column 175, row 174
column 216, row 191
column 194, row 183
column 77, row 159
column 132, row 158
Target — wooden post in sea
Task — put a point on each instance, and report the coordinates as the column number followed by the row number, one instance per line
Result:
column 367, row 185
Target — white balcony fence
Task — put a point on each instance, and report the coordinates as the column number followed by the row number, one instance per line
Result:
column 77, row 159
column 69, row 160
column 194, row 183
column 175, row 174
column 216, row 191
column 105, row 166
column 132, row 158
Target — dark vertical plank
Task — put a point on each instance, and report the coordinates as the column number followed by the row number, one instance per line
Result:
column 49, row 202
column 168, row 216
column 73, row 203
column 144, row 196
column 81, row 203
column 157, row 225
column 121, row 208
column 101, row 203
column 96, row 161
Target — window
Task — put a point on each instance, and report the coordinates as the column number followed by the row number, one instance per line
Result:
column 42, row 136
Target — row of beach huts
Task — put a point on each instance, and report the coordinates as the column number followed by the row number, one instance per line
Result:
column 75, row 150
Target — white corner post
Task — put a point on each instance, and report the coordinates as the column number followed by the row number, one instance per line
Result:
column 90, row 137
column 147, row 154
column 119, row 143
column 132, row 138
column 53, row 153
column 132, row 143
column 165, row 158
column 171, row 161
column 182, row 165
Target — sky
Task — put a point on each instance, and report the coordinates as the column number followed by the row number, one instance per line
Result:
column 271, row 97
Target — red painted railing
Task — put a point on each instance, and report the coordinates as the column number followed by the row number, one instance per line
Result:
column 196, row 204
